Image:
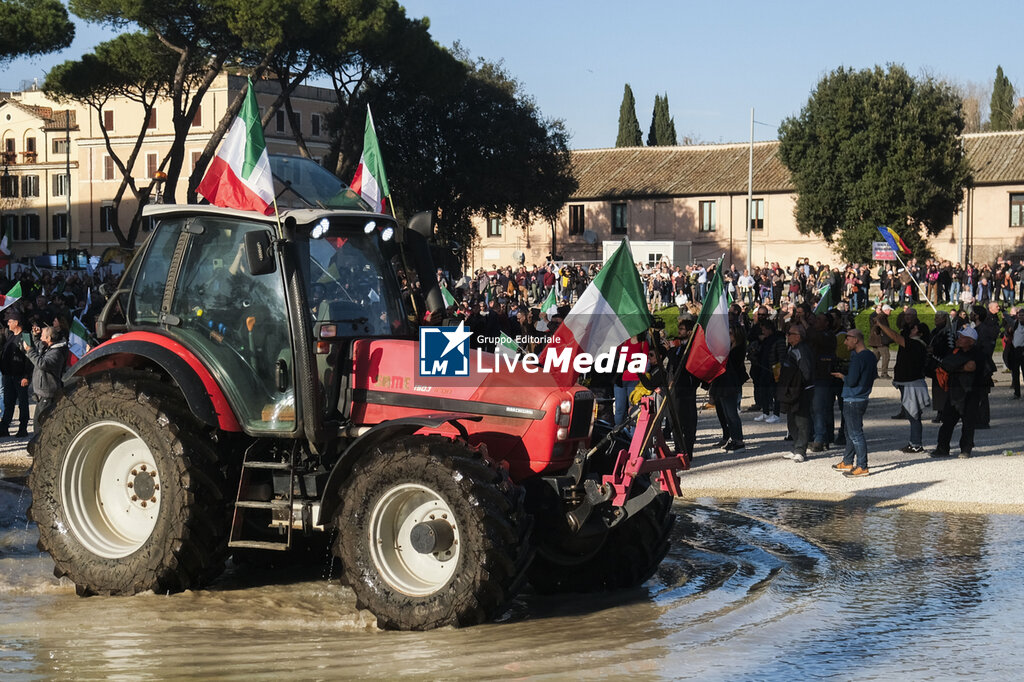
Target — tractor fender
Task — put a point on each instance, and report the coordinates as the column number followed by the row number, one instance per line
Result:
column 201, row 392
column 385, row 431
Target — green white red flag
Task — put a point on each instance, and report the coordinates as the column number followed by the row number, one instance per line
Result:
column 78, row 341
column 449, row 299
column 610, row 311
column 12, row 297
column 709, row 348
column 825, row 301
column 240, row 176
column 550, row 305
column 507, row 346
column 370, row 182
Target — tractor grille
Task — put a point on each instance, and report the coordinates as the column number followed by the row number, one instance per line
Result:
column 582, row 412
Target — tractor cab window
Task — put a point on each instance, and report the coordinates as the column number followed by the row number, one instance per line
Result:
column 238, row 322
column 350, row 285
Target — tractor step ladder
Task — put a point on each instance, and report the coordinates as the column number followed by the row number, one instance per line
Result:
column 250, row 465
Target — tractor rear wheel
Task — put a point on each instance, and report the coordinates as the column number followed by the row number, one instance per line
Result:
column 430, row 534
column 626, row 556
column 127, row 494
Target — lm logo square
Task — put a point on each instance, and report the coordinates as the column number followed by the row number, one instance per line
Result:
column 444, row 351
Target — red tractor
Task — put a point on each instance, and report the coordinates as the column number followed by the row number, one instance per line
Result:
column 258, row 384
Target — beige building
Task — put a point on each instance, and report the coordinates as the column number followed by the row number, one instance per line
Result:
column 41, row 141
column 687, row 204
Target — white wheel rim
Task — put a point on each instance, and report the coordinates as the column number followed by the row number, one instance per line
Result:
column 106, row 468
column 392, row 519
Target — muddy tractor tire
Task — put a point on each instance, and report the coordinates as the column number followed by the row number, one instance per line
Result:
column 429, row 534
column 126, row 491
column 626, row 556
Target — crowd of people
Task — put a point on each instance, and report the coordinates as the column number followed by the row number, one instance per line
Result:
column 804, row 366
column 34, row 350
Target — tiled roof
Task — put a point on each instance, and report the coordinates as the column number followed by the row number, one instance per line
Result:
column 52, row 120
column 996, row 158
column 678, row 171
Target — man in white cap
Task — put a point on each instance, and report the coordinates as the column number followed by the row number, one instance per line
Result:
column 878, row 343
column 965, row 371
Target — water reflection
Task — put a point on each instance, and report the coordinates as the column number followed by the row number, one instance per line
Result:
column 766, row 589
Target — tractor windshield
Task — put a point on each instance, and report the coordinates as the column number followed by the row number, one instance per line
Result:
column 306, row 184
column 350, row 283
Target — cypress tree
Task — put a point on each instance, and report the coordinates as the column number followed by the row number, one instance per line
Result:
column 663, row 128
column 629, row 128
column 1001, row 107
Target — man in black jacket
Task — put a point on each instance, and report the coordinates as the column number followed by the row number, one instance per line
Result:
column 49, row 358
column 965, row 371
column 16, row 374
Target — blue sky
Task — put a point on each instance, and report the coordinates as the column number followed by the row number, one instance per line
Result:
column 714, row 60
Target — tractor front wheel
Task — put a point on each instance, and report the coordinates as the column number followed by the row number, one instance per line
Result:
column 430, row 534
column 126, row 494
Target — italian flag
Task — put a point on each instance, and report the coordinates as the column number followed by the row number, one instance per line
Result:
column 78, row 341
column 507, row 346
column 825, row 301
column 449, row 300
column 709, row 347
column 611, row 310
column 550, row 305
column 239, row 176
column 369, row 181
column 5, row 253
column 12, row 297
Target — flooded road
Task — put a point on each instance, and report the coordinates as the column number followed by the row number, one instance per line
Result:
column 766, row 589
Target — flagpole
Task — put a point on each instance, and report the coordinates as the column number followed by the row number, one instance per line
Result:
column 896, row 253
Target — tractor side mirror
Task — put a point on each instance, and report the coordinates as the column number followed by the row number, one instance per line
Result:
column 259, row 252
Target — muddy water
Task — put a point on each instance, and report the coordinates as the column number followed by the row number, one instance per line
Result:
column 766, row 589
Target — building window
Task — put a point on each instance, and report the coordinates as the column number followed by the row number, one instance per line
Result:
column 30, row 185
column 195, row 160
column 1017, row 210
column 60, row 185
column 60, row 226
column 151, row 165
column 60, row 145
column 108, row 120
column 314, row 125
column 108, row 218
column 30, row 145
column 108, row 167
column 296, row 122
column 757, row 217
column 279, row 121
column 29, row 227
column 197, row 120
column 494, row 226
column 151, row 123
column 707, row 216
column 576, row 224
column 9, row 186
column 619, row 219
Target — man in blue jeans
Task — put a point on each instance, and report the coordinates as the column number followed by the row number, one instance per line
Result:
column 856, row 389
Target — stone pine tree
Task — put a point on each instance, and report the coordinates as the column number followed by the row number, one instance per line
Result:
column 1001, row 107
column 629, row 126
column 663, row 128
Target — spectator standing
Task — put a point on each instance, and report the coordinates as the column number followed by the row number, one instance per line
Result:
column 1014, row 340
column 726, row 389
column 684, row 392
column 877, row 341
column 909, row 378
column 16, row 373
column 627, row 381
column 49, row 361
column 795, row 390
column 964, row 371
column 857, row 383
